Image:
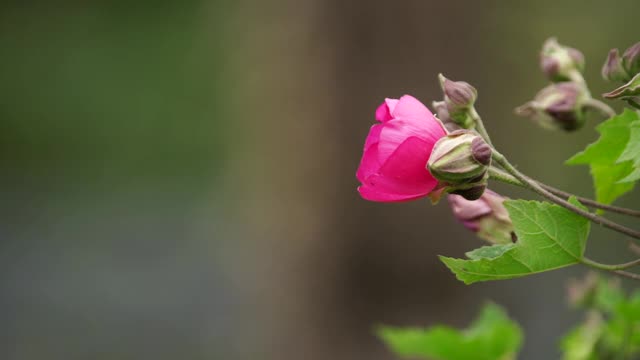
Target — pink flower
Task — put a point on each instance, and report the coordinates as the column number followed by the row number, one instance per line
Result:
column 396, row 151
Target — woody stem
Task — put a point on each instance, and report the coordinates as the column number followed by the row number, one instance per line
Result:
column 502, row 176
column 534, row 186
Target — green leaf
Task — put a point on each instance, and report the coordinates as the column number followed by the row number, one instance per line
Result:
column 492, row 336
column 489, row 252
column 632, row 152
column 610, row 175
column 622, row 332
column 580, row 343
column 549, row 237
column 612, row 326
column 608, row 296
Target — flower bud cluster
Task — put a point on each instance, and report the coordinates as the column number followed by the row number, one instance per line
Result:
column 563, row 104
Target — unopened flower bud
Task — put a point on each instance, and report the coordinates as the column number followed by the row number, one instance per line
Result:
column 458, row 93
column 612, row 70
column 557, row 106
column 459, row 97
column 558, row 62
column 631, row 59
column 629, row 92
column 460, row 160
column 441, row 110
column 486, row 216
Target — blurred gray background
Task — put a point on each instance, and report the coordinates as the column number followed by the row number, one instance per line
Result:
column 178, row 178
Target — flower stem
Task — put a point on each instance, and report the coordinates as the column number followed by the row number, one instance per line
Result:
column 630, row 275
column 480, row 125
column 597, row 265
column 534, row 186
column 603, row 108
column 502, row 176
column 576, row 76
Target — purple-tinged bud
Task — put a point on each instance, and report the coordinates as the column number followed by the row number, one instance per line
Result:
column 481, row 151
column 558, row 62
column 459, row 97
column 612, row 69
column 460, row 160
column 577, row 57
column 486, row 216
column 442, row 112
column 631, row 59
column 629, row 92
column 557, row 106
column 459, row 94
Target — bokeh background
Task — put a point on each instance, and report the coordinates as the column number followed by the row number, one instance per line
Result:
column 177, row 178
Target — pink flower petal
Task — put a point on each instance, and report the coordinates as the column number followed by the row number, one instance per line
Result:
column 396, row 131
column 403, row 176
column 411, row 108
column 373, row 137
column 374, row 194
column 369, row 163
column 408, row 165
column 383, row 112
column 391, row 104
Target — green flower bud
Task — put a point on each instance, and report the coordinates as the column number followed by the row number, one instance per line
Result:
column 631, row 59
column 459, row 97
column 558, row 106
column 629, row 92
column 558, row 62
column 461, row 160
column 612, row 70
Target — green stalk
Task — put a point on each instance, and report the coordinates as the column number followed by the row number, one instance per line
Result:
column 597, row 265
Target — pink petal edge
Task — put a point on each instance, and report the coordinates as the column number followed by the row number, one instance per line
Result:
column 402, row 177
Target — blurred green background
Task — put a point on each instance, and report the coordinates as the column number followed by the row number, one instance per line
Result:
column 177, row 178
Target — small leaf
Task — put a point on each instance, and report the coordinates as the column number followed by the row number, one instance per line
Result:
column 549, row 237
column 491, row 336
column 611, row 175
column 632, row 153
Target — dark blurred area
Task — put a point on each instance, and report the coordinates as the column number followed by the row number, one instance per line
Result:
column 178, row 178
